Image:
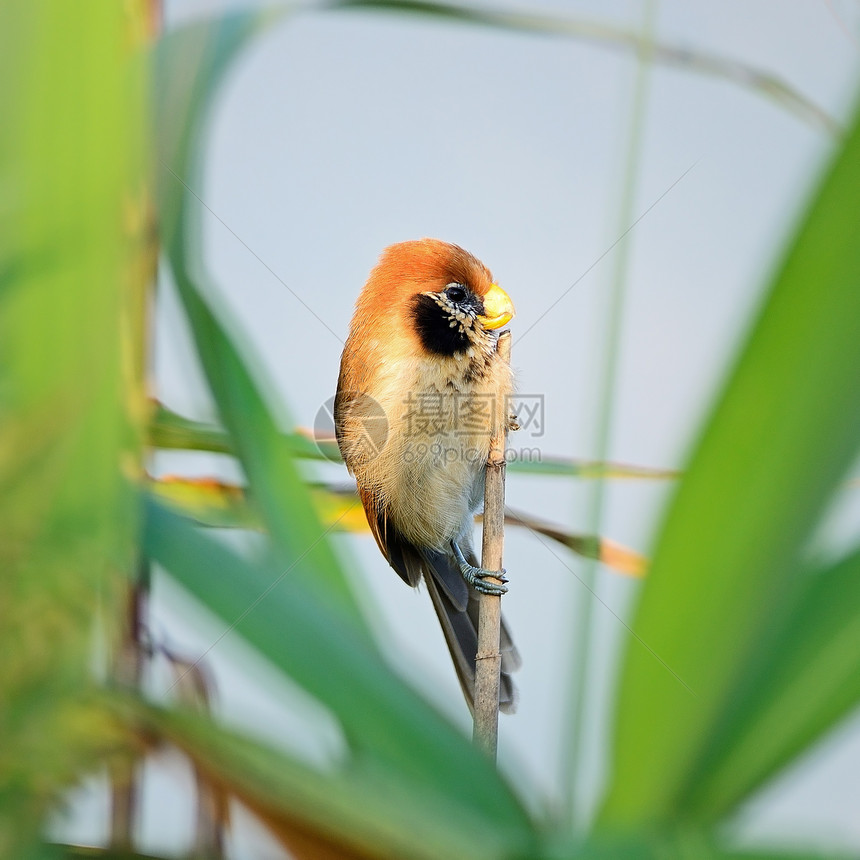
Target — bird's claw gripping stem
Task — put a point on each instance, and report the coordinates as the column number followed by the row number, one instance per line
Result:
column 476, row 576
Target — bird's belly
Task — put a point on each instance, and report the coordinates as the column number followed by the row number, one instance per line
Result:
column 429, row 478
column 433, row 496
column 428, row 475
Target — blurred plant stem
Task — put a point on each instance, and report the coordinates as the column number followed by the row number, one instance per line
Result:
column 128, row 671
column 578, row 803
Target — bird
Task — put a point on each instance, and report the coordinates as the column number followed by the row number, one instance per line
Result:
column 421, row 391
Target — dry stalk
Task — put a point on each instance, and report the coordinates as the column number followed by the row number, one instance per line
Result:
column 488, row 663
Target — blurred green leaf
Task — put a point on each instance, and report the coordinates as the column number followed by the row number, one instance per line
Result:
column 171, row 431
column 192, row 61
column 558, row 466
column 70, row 165
column 689, row 847
column 683, row 843
column 351, row 811
column 88, row 852
column 284, row 618
column 803, row 678
column 779, row 441
column 211, row 502
column 207, row 501
column 607, row 552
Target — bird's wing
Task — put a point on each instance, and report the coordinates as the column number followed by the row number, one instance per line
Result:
column 398, row 552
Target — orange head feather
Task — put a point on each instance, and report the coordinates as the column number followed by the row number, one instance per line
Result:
column 409, row 269
column 418, row 266
column 423, row 298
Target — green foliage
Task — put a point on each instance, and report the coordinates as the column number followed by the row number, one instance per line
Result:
column 360, row 807
column 771, row 456
column 802, row 678
column 192, row 63
column 308, row 640
column 171, row 431
column 69, row 156
column 758, row 648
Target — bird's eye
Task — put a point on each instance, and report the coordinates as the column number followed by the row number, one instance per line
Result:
column 456, row 293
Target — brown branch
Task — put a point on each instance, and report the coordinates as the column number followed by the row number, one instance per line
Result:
column 128, row 670
column 195, row 688
column 488, row 663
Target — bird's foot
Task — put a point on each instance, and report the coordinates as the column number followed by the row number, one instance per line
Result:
column 477, row 576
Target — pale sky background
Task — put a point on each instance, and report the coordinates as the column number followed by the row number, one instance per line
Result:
column 340, row 133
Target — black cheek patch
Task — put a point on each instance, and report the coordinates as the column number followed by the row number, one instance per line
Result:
column 434, row 328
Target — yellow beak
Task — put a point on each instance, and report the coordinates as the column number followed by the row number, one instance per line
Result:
column 498, row 308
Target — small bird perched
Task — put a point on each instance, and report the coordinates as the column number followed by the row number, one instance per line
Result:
column 421, row 392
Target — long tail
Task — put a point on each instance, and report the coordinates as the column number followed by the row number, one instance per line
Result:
column 455, row 602
column 460, row 626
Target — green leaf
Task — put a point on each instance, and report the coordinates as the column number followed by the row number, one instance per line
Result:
column 192, row 62
column 70, row 166
column 88, row 852
column 801, row 682
column 778, row 443
column 286, row 620
column 352, row 811
column 275, row 484
column 587, row 469
column 207, row 501
column 211, row 502
column 686, row 843
column 171, row 431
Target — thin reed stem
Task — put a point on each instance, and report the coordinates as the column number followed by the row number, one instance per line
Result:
column 488, row 664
